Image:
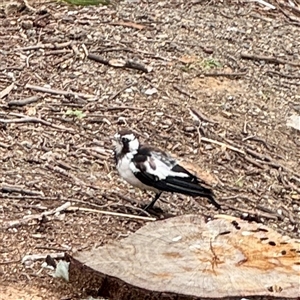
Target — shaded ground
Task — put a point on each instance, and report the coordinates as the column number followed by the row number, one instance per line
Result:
column 67, row 158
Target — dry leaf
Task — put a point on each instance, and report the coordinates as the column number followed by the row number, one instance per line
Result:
column 31, row 111
column 188, row 59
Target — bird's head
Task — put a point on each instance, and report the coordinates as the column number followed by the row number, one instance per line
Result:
column 125, row 141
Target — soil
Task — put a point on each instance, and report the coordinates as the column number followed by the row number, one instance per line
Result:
column 237, row 63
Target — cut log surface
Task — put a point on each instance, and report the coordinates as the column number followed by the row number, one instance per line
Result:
column 188, row 258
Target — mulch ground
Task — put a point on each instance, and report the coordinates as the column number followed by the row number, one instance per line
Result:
column 71, row 77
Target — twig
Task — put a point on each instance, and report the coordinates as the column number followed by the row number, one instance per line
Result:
column 29, row 7
column 53, row 248
column 18, row 189
column 70, row 175
column 27, row 219
column 270, row 59
column 23, row 101
column 283, row 75
column 57, row 92
column 182, row 91
column 232, row 75
column 128, row 24
column 26, row 119
column 7, row 90
column 119, row 63
column 56, row 52
column 199, row 116
column 257, row 139
column 268, row 5
column 295, row 20
column 110, row 108
column 204, row 139
column 119, row 92
column 44, row 46
column 254, row 162
column 10, row 262
column 75, row 208
column 253, row 213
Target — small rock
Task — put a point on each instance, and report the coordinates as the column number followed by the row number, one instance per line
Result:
column 189, row 129
column 26, row 24
column 150, row 92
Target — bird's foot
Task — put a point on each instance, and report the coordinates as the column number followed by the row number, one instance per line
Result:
column 151, row 209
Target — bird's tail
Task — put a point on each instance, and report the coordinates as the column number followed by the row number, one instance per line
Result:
column 191, row 189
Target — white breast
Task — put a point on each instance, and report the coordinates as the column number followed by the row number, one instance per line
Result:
column 125, row 172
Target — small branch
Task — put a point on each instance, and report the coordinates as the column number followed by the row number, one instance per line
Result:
column 204, row 139
column 75, row 208
column 27, row 219
column 268, row 5
column 290, row 76
column 128, row 24
column 9, row 262
column 119, row 92
column 17, row 189
column 233, row 75
column 56, row 52
column 270, row 59
column 57, row 92
column 252, row 213
column 267, row 160
column 118, row 63
column 121, row 108
column 7, row 90
column 46, row 46
column 199, row 116
column 23, row 101
column 26, row 119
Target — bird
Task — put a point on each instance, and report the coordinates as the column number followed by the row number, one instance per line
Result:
column 152, row 169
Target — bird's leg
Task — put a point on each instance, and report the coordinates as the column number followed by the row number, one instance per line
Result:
column 151, row 204
column 214, row 202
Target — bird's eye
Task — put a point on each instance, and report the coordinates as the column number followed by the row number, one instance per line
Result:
column 124, row 140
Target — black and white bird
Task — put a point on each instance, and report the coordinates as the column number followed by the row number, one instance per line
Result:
column 151, row 169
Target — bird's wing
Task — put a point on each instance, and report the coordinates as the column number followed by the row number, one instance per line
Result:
column 162, row 172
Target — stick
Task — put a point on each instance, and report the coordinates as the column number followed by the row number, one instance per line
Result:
column 119, row 63
column 43, row 46
column 204, row 139
column 199, row 116
column 27, row 219
column 26, row 119
column 119, row 92
column 17, row 189
column 56, row 92
column 223, row 74
column 23, row 101
column 76, row 208
column 270, row 59
column 182, row 91
column 268, row 5
column 290, row 76
column 6, row 91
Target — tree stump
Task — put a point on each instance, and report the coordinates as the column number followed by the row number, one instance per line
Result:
column 188, row 258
